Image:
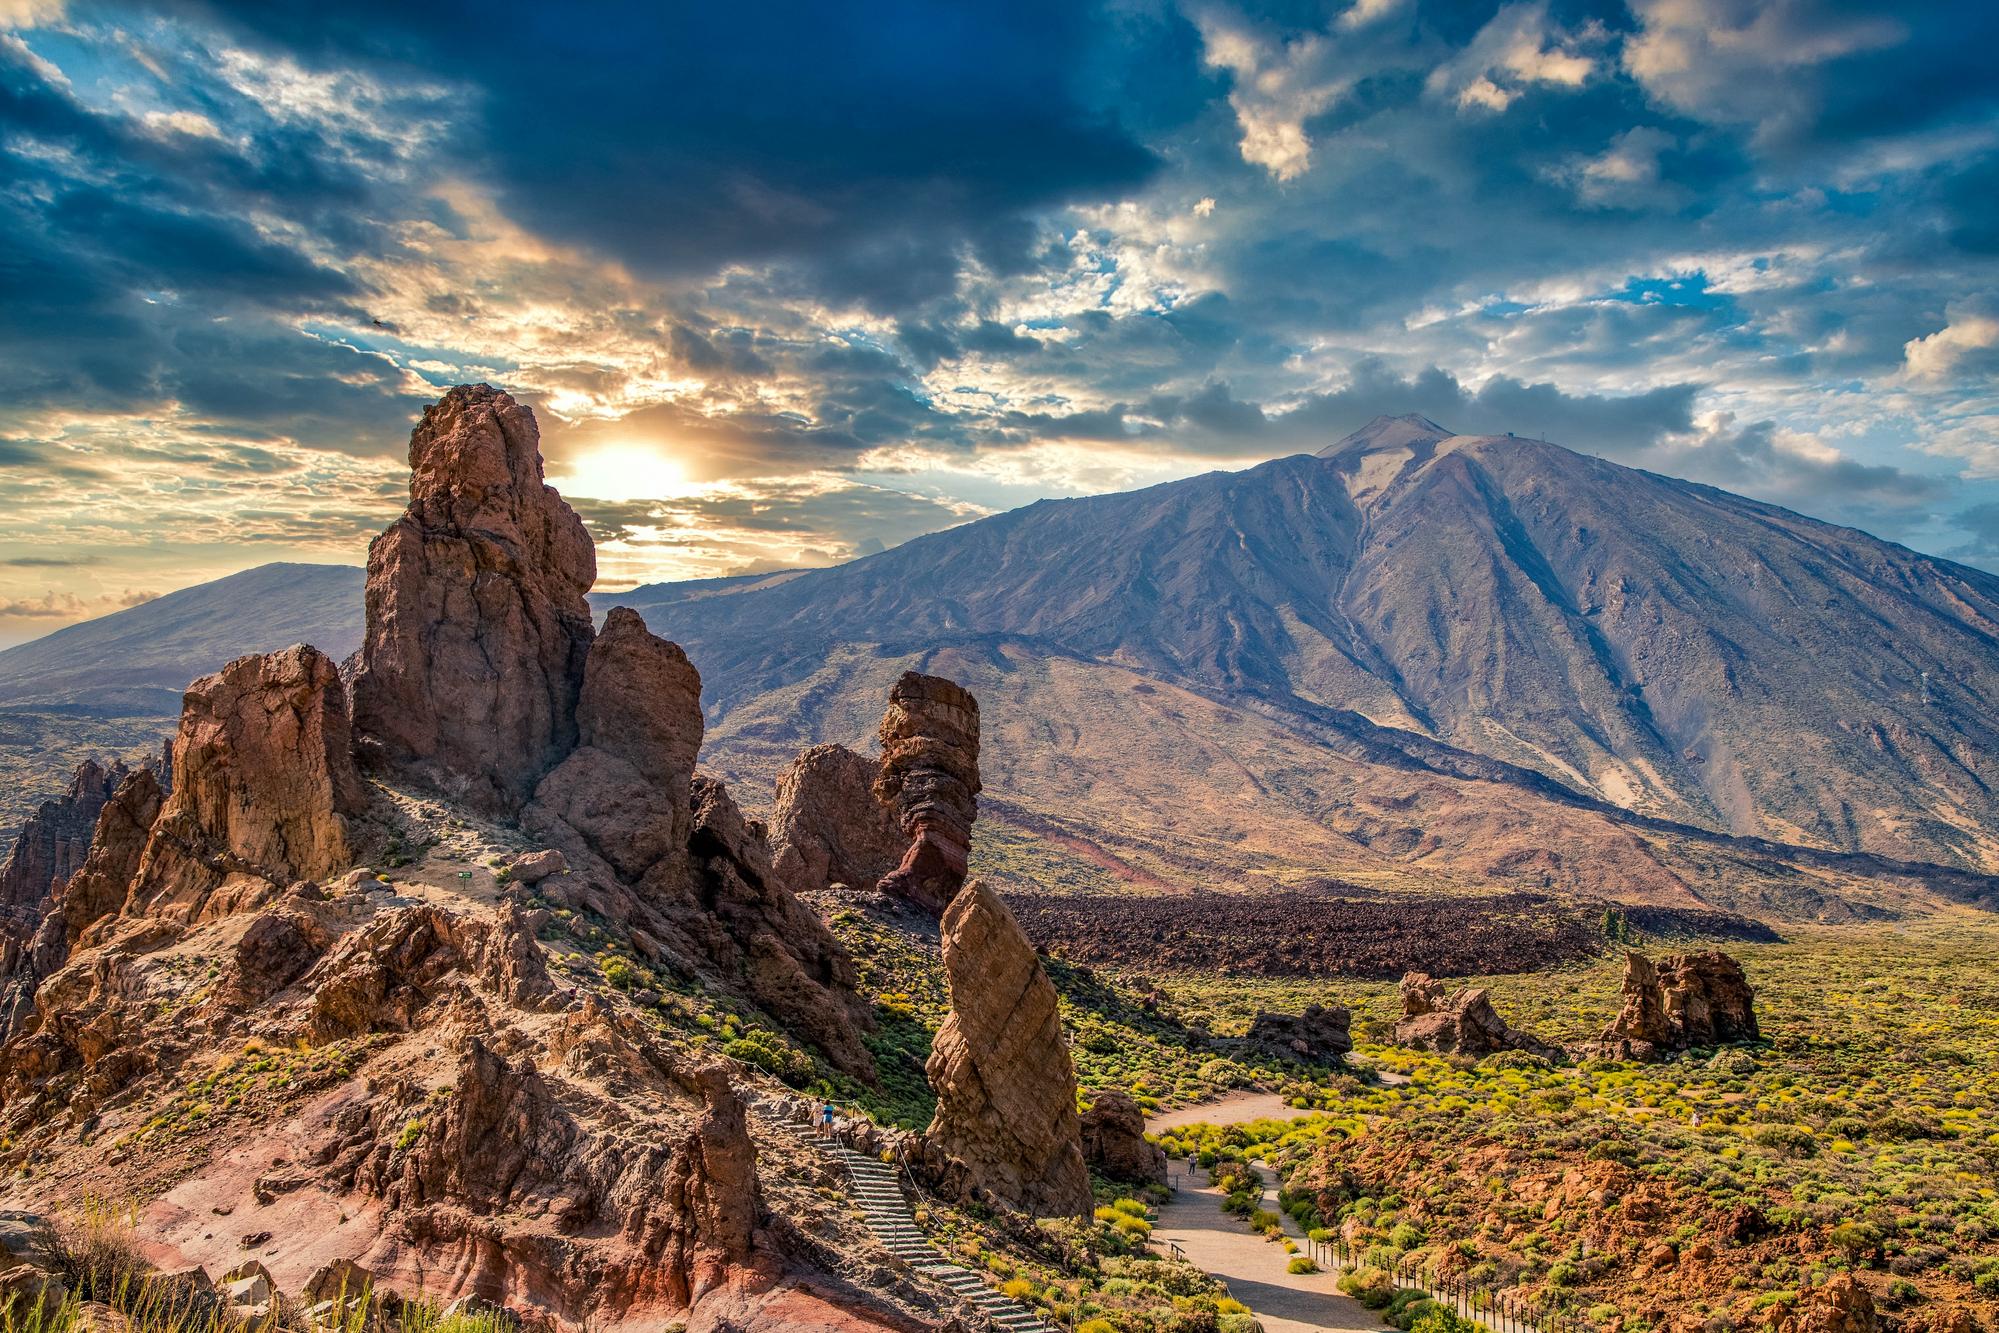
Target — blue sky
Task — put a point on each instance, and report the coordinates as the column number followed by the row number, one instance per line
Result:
column 787, row 282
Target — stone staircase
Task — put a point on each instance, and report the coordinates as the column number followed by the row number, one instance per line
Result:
column 877, row 1189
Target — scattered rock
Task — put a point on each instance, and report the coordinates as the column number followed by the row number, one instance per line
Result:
column 828, row 826
column 930, row 778
column 1113, row 1131
column 1688, row 1000
column 339, row 1280
column 1321, row 1035
column 1006, row 1090
column 477, row 627
column 1462, row 1023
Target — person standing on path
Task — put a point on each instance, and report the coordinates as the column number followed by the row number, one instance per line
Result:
column 826, row 1119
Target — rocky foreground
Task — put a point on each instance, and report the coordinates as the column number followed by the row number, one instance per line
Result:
column 350, row 987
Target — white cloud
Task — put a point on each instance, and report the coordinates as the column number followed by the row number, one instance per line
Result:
column 29, row 13
column 1728, row 60
column 1965, row 335
column 1365, row 12
column 1278, row 87
column 1624, row 175
column 1516, row 48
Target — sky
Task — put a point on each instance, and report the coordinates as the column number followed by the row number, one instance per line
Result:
column 786, row 283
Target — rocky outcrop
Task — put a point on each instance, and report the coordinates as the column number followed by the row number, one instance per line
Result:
column 1114, row 1140
column 1688, row 1000
column 1421, row 994
column 625, row 791
column 1461, row 1023
column 264, row 788
column 1006, row 1089
column 1321, row 1035
column 765, row 939
column 52, row 844
column 96, row 890
column 477, row 627
column 930, row 778
column 828, row 827
column 1840, row 1304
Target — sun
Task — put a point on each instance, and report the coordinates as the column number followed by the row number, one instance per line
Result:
column 627, row 470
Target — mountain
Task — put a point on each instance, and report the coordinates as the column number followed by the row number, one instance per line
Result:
column 139, row 660
column 1413, row 654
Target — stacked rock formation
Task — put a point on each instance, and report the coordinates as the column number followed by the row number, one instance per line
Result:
column 1006, row 1089
column 1321, row 1035
column 829, row 828
column 1459, row 1023
column 930, row 778
column 477, row 627
column 53, row 842
column 1114, row 1140
column 1688, row 1000
column 264, row 786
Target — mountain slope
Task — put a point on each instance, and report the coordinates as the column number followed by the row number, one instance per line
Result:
column 1673, row 650
column 141, row 659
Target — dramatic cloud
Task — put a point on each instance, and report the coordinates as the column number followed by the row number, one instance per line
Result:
column 787, row 283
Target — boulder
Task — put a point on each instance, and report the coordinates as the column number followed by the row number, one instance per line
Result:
column 1321, row 1035
column 1114, row 1140
column 828, row 827
column 1421, row 994
column 930, row 778
column 1006, row 1089
column 477, row 627
column 264, row 788
column 531, row 868
column 1463, row 1023
column 340, row 1280
column 1688, row 1000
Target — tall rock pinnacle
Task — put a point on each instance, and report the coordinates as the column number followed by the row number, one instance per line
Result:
column 477, row 627
column 930, row 778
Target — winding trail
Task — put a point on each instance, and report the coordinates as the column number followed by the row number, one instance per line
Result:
column 1221, row 1243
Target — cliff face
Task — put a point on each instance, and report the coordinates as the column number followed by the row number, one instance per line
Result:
column 477, row 628
column 53, row 842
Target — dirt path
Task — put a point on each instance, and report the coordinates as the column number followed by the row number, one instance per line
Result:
column 1221, row 1243
column 1253, row 1267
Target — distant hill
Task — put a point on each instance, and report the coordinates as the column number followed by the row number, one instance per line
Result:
column 139, row 660
column 1414, row 654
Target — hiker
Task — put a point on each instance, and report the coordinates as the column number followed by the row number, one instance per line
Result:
column 826, row 1119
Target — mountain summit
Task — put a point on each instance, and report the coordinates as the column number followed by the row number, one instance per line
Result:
column 1557, row 627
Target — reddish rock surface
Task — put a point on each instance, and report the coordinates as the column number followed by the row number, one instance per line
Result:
column 96, row 891
column 1006, row 1089
column 477, row 627
column 1688, row 1000
column 52, row 844
column 1837, row 1305
column 828, row 827
column 1114, row 1143
column 264, row 786
column 930, row 778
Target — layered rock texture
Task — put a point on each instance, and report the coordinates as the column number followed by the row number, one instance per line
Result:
column 1320, row 1035
column 264, row 787
column 1006, row 1088
column 828, row 828
column 53, row 842
column 1114, row 1140
column 1687, row 1000
column 930, row 777
column 1461, row 1022
column 477, row 627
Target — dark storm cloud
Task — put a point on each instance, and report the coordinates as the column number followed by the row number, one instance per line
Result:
column 870, row 143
